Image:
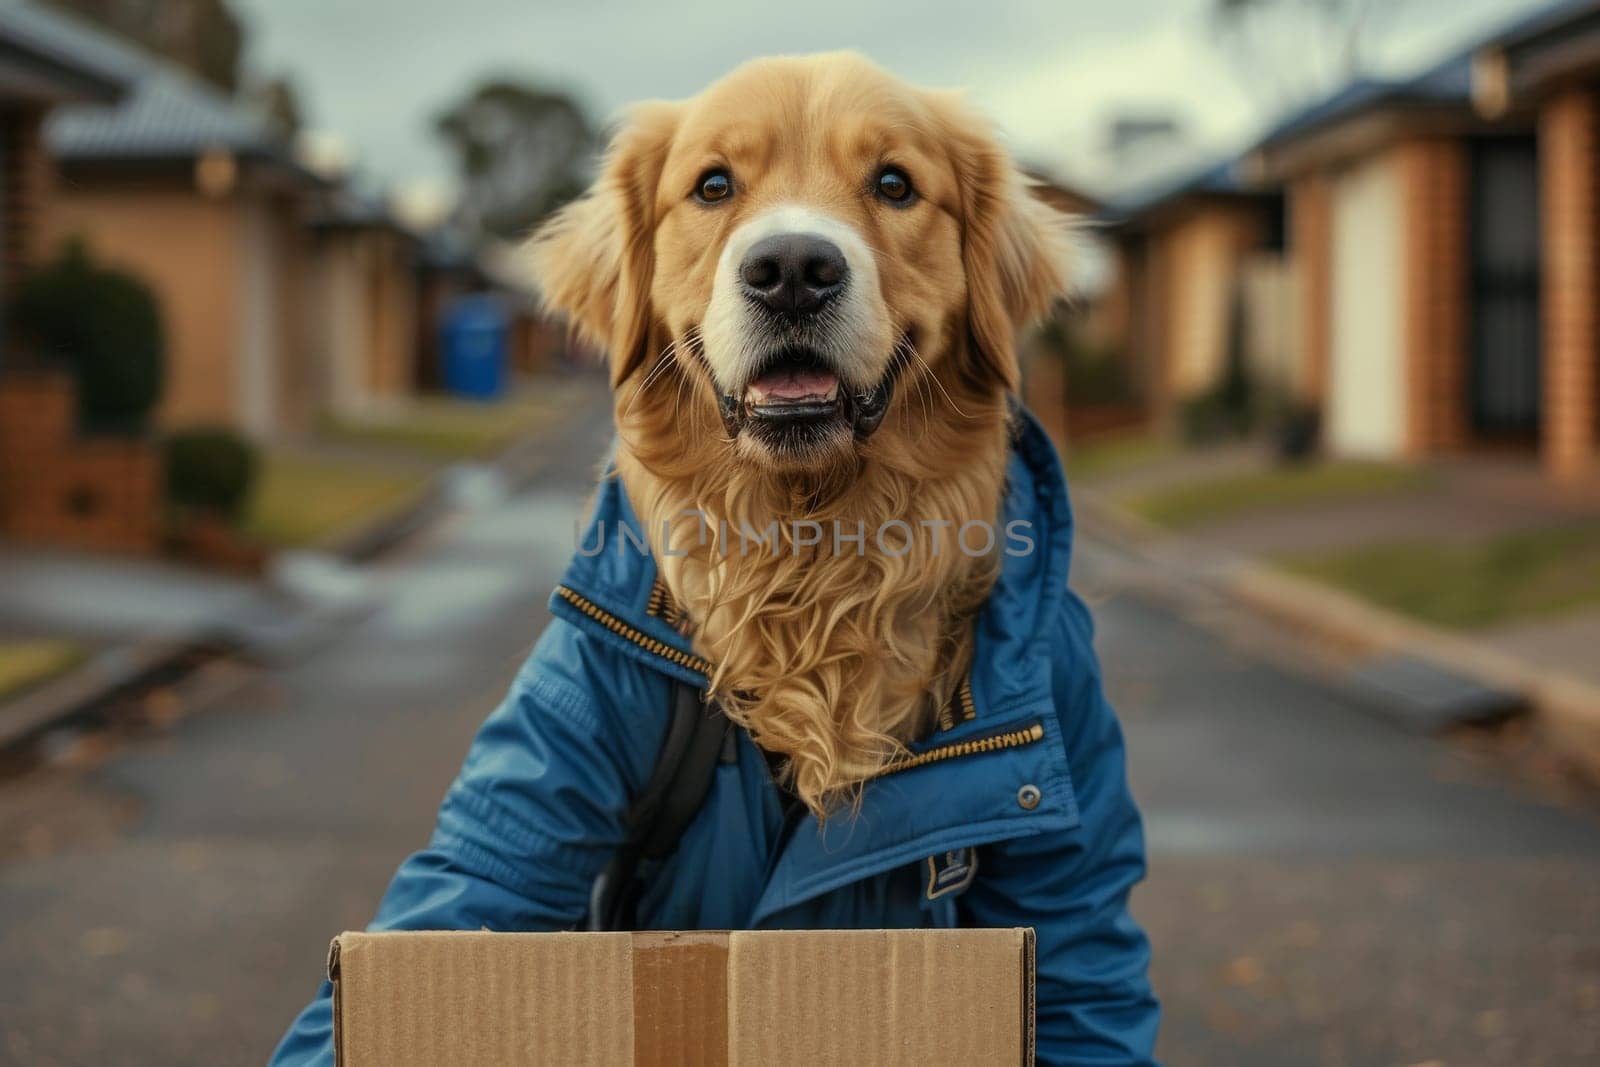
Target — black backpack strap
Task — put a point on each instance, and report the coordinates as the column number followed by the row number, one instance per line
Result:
column 665, row 806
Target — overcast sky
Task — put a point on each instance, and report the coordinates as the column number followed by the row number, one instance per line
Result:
column 1052, row 72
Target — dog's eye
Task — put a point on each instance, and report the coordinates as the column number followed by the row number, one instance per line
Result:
column 894, row 186
column 714, row 185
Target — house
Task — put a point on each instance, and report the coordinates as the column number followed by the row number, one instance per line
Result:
column 451, row 268
column 1197, row 277
column 447, row 269
column 1549, row 68
column 366, row 294
column 1061, row 195
column 54, row 484
column 1443, row 253
column 203, row 199
column 1047, row 378
column 38, row 72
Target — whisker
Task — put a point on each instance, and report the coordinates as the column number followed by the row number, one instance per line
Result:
column 666, row 358
column 948, row 398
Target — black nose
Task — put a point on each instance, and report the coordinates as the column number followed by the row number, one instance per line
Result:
column 793, row 273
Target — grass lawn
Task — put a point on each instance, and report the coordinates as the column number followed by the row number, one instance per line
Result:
column 304, row 498
column 27, row 663
column 446, row 428
column 1542, row 572
column 1194, row 503
column 1116, row 454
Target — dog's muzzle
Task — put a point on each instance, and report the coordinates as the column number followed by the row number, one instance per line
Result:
column 796, row 388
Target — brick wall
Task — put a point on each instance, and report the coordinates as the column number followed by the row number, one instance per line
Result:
column 25, row 186
column 1433, row 176
column 96, row 493
column 1569, row 160
column 1141, row 339
column 1311, row 249
column 1044, row 391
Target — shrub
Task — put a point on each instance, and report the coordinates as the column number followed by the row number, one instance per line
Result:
column 210, row 471
column 102, row 325
column 1298, row 433
column 1207, row 419
column 1095, row 375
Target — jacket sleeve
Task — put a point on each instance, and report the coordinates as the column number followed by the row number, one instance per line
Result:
column 534, row 815
column 1095, row 1004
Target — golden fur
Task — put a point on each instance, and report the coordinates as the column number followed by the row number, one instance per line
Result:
column 832, row 659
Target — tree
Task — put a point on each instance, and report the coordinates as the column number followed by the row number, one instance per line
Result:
column 1291, row 49
column 203, row 36
column 522, row 151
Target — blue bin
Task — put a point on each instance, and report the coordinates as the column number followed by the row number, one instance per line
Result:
column 475, row 347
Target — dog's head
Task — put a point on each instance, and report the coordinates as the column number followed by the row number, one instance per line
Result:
column 803, row 238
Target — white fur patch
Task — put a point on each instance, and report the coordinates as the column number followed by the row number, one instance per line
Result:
column 854, row 332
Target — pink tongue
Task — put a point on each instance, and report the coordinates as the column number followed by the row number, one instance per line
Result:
column 795, row 385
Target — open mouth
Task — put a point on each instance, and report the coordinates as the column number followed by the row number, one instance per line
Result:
column 796, row 394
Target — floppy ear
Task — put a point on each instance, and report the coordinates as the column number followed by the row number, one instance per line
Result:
column 595, row 257
column 1015, row 247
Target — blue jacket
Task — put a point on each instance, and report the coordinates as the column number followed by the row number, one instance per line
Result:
column 1015, row 813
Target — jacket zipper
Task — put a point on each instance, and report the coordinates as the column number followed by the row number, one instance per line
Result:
column 675, row 656
column 995, row 742
column 1025, row 735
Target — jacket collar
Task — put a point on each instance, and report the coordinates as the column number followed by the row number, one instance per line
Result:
column 612, row 582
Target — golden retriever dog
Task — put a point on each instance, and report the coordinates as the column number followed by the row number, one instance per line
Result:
column 808, row 280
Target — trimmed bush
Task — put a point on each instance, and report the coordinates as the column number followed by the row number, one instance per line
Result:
column 210, row 472
column 105, row 327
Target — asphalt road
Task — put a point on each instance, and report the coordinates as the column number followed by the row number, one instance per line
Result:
column 1324, row 889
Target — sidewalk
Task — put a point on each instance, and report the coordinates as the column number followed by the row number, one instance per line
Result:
column 1258, row 556
column 132, row 616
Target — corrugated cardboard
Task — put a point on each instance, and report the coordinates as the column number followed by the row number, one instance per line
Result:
column 868, row 997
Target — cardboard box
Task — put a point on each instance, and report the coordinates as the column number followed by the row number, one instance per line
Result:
column 923, row 997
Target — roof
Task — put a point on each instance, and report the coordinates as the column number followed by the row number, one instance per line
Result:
column 166, row 113
column 40, row 58
column 1541, row 22
column 351, row 208
column 1559, row 46
column 1218, row 178
column 447, row 249
column 1065, row 195
column 1447, row 83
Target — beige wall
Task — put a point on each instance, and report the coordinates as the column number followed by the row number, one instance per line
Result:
column 366, row 315
column 257, row 340
column 184, row 246
column 301, row 392
column 1271, row 322
column 1200, row 258
column 231, row 274
column 1367, row 378
column 392, row 302
column 341, row 328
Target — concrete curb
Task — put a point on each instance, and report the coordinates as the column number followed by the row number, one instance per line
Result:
column 86, row 686
column 1566, row 709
